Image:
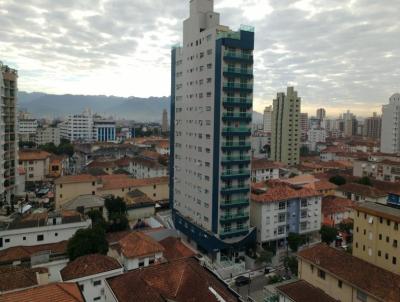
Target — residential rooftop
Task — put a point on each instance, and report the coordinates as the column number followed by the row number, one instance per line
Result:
column 302, row 291
column 362, row 190
column 263, row 163
column 175, row 249
column 379, row 210
column 138, row 244
column 16, row 277
column 333, row 204
column 29, row 155
column 360, row 274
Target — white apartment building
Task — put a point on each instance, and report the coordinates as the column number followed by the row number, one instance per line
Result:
column 314, row 136
column 48, row 134
column 267, row 119
column 211, row 102
column 27, row 128
column 41, row 229
column 261, row 144
column 142, row 167
column 8, row 133
column 78, row 127
column 280, row 210
column 36, row 164
column 263, row 169
column 390, row 137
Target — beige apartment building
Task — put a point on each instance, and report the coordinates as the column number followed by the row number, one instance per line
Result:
column 286, row 128
column 70, row 187
column 36, row 164
column 345, row 277
column 377, row 235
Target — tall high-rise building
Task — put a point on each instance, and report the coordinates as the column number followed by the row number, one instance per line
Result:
column 321, row 113
column 373, row 126
column 350, row 124
column 267, row 119
column 211, row 112
column 303, row 126
column 8, row 133
column 286, row 128
column 390, row 134
column 164, row 124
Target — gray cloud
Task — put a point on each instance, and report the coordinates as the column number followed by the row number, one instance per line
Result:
column 337, row 53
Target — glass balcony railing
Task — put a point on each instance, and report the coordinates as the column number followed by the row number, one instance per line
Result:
column 235, row 158
column 232, row 217
column 244, row 130
column 232, row 101
column 237, row 116
column 239, row 71
column 235, row 173
column 248, row 86
column 228, row 145
column 237, row 231
column 235, row 189
column 234, row 203
column 238, row 55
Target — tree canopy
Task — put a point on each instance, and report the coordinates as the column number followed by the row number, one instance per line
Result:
column 117, row 214
column 328, row 234
column 365, row 181
column 265, row 257
column 86, row 242
column 295, row 241
column 338, row 180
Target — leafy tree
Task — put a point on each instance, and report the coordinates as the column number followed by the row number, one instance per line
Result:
column 29, row 145
column 365, row 181
column 291, row 264
column 295, row 241
column 265, row 257
column 116, row 208
column 118, row 222
column 97, row 219
column 328, row 234
column 87, row 241
column 304, row 151
column 345, row 227
column 49, row 147
column 338, row 180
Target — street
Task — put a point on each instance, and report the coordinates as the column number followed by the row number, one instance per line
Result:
column 254, row 289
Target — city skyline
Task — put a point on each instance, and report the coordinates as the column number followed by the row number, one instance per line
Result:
column 349, row 58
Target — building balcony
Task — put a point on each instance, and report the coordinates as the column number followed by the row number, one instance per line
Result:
column 238, row 72
column 244, row 87
column 234, row 232
column 241, row 131
column 226, row 218
column 235, row 190
column 236, row 146
column 225, row 204
column 242, row 116
column 234, row 56
column 232, row 174
column 238, row 102
column 232, row 160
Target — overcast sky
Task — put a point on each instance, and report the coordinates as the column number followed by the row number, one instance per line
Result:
column 339, row 54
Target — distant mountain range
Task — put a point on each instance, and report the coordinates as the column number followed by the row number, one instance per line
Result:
column 43, row 105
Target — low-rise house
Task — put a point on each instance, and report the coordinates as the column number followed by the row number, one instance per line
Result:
column 361, row 193
column 378, row 168
column 85, row 204
column 136, row 250
column 280, row 209
column 36, row 163
column 336, row 209
column 139, row 205
column 14, row 278
column 302, row 291
column 263, row 169
column 162, row 147
column 174, row 249
column 322, row 186
column 145, row 167
column 90, row 273
column 65, row 292
column 180, row 280
column 345, row 277
column 44, row 228
column 58, row 166
column 376, row 235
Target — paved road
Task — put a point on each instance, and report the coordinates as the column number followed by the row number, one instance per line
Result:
column 254, row 289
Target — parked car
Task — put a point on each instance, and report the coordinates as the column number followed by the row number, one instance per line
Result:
column 242, row 280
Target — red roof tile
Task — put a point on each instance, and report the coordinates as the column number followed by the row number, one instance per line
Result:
column 119, row 182
column 15, row 277
column 89, row 265
column 25, row 155
column 360, row 274
column 263, row 163
column 137, row 244
column 175, row 249
column 55, row 292
column 362, row 190
column 283, row 192
column 181, row 280
column 75, row 179
column 333, row 205
column 302, row 291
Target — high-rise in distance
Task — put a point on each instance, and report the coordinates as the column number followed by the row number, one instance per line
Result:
column 211, row 112
column 390, row 137
column 8, row 133
column 286, row 128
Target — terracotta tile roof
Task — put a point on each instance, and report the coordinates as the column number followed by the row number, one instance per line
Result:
column 24, row 253
column 148, row 162
column 333, row 205
column 360, row 274
column 181, row 280
column 281, row 193
column 163, row 144
column 175, row 249
column 302, row 291
column 75, row 179
column 119, row 182
column 321, row 185
column 15, row 277
column 150, row 154
column 25, row 155
column 89, row 265
column 262, row 163
column 362, row 190
column 55, row 292
column 300, row 180
column 137, row 244
column 101, row 164
column 114, row 237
